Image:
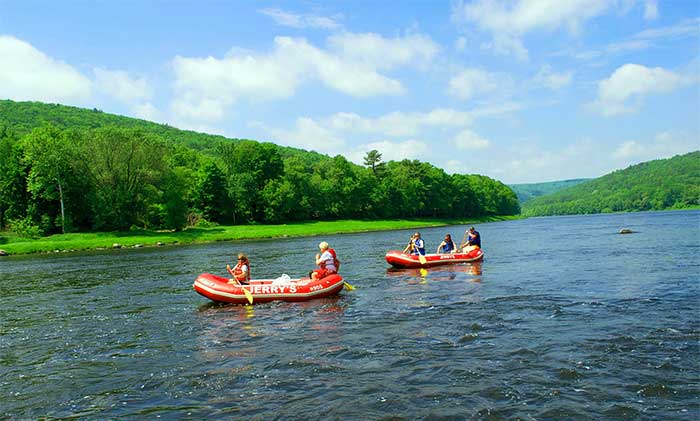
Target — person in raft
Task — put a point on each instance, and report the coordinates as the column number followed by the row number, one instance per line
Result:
column 447, row 245
column 240, row 272
column 473, row 240
column 327, row 262
column 416, row 245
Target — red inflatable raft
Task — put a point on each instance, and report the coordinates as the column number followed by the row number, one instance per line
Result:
column 401, row 260
column 218, row 288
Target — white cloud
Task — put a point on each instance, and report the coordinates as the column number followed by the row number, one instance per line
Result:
column 526, row 162
column 508, row 21
column 28, row 74
column 454, row 166
column 470, row 83
column 624, row 90
column 306, row 134
column 147, row 111
column 200, row 109
column 468, row 140
column 663, row 145
column 643, row 40
column 382, row 53
column 296, row 20
column 683, row 29
column 651, row 10
column 552, row 80
column 118, row 84
column 398, row 123
column 351, row 66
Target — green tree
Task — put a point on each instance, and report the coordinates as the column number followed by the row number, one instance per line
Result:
column 51, row 154
column 125, row 167
column 212, row 194
column 13, row 178
column 373, row 160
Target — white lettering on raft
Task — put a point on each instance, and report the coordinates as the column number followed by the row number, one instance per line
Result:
column 273, row 289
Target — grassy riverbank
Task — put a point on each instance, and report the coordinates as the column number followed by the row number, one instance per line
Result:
column 143, row 238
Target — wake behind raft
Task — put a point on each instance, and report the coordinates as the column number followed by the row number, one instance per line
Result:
column 218, row 288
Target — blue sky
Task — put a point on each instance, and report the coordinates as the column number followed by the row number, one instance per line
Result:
column 522, row 90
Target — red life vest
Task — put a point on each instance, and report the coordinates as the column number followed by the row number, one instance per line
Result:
column 239, row 274
column 336, row 262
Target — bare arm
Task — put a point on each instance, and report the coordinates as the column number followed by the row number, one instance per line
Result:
column 438, row 247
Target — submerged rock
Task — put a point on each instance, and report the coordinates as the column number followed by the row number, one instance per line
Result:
column 3, row 253
column 626, row 231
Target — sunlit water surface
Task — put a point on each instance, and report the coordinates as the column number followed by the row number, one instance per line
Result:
column 565, row 318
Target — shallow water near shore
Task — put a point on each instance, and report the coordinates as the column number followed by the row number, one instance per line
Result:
column 565, row 318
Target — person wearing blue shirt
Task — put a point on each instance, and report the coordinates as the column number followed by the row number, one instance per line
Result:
column 473, row 238
column 416, row 245
column 447, row 246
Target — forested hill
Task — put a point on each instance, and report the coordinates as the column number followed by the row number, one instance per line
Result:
column 23, row 117
column 529, row 191
column 73, row 169
column 672, row 183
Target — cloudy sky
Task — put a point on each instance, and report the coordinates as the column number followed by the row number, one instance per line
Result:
column 520, row 90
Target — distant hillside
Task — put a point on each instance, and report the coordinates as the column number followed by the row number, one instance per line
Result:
column 655, row 185
column 529, row 191
column 22, row 117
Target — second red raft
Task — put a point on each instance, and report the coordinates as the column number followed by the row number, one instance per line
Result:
column 402, row 260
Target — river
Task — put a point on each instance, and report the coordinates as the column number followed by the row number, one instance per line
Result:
column 565, row 318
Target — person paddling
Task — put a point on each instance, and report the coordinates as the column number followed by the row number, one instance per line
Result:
column 416, row 245
column 327, row 261
column 473, row 240
column 241, row 272
column 447, row 245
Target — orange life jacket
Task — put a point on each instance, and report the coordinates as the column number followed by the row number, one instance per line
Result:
column 239, row 274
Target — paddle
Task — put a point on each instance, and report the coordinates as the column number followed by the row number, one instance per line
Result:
column 421, row 258
column 247, row 293
column 348, row 286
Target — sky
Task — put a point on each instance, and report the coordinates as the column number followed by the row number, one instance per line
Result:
column 522, row 91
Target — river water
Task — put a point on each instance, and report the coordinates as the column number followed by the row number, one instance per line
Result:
column 565, row 318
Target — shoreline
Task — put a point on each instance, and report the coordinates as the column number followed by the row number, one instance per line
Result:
column 75, row 242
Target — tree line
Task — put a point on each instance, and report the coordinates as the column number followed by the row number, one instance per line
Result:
column 661, row 184
column 57, row 179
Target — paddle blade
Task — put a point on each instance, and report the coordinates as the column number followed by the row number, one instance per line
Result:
column 423, row 272
column 422, row 259
column 248, row 295
column 348, row 286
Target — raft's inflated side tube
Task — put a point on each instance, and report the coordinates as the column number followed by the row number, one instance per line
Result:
column 218, row 288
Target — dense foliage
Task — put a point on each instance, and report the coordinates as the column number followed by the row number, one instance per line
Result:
column 529, row 191
column 69, row 169
column 655, row 185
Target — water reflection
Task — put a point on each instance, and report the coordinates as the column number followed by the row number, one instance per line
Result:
column 440, row 273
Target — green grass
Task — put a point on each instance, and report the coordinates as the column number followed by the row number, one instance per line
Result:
column 102, row 240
